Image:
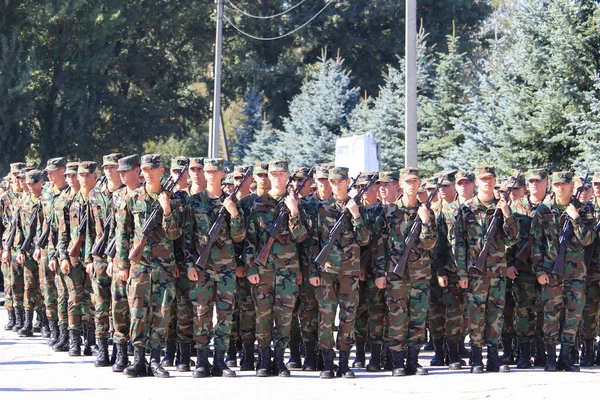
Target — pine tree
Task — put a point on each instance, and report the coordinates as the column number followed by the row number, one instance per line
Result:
column 263, row 147
column 249, row 124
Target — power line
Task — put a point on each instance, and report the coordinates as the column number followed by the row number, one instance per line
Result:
column 237, row 28
column 263, row 17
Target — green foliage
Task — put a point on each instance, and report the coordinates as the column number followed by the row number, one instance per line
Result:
column 192, row 146
column 263, row 147
column 250, row 122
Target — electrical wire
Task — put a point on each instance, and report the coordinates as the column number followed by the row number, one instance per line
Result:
column 237, row 28
column 263, row 17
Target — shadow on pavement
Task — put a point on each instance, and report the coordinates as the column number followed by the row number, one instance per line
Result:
column 51, row 390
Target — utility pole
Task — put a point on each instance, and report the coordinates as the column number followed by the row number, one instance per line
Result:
column 213, row 150
column 410, row 116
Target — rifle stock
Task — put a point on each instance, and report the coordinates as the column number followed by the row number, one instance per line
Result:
column 522, row 256
column 263, row 256
column 32, row 226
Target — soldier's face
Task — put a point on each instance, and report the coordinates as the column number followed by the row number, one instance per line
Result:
column 54, row 176
column 262, row 181
column 465, row 188
column 214, row 177
column 538, row 187
column 587, row 193
column 486, row 184
column 152, row 175
column 86, row 180
column 22, row 185
column 410, row 187
column 388, row 191
column 323, row 186
column 197, row 175
column 278, row 178
column 130, row 177
column 447, row 192
column 339, row 186
column 562, row 190
column 184, row 177
column 306, row 189
column 597, row 189
column 110, row 171
column 517, row 193
column 72, row 180
column 35, row 188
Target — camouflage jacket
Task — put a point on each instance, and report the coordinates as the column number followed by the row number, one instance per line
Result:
column 284, row 254
column 9, row 204
column 375, row 221
column 245, row 204
column 68, row 228
column 50, row 198
column 102, row 205
column 179, row 243
column 391, row 245
column 200, row 213
column 546, row 227
column 495, row 263
column 345, row 253
column 131, row 217
column 28, row 206
column 441, row 261
column 523, row 210
column 593, row 250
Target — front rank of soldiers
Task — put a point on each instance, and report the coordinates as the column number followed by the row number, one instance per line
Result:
column 117, row 259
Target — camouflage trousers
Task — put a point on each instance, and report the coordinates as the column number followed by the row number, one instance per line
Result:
column 407, row 309
column 62, row 296
column 89, row 303
column 210, row 290
column 446, row 309
column 337, row 290
column 274, row 299
column 244, row 325
column 16, row 281
column 305, row 319
column 151, row 291
column 8, row 294
column 371, row 312
column 589, row 317
column 32, row 297
column 48, row 286
column 120, row 309
column 75, row 282
column 508, row 327
column 566, row 298
column 486, row 308
column 101, row 284
column 181, row 316
column 524, row 294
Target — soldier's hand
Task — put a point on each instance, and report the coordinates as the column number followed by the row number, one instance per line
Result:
column 20, row 258
column 124, row 276
column 254, row 279
column 109, row 269
column 292, row 204
column 443, row 281
column 192, row 274
column 572, row 211
column 65, row 267
column 89, row 268
column 463, row 283
column 53, row 264
column 503, row 206
column 164, row 200
column 512, row 272
column 240, row 272
column 5, row 256
column 229, row 205
column 362, row 275
column 36, row 254
column 544, row 279
column 315, row 281
column 381, row 282
column 176, row 272
column 299, row 278
column 353, row 208
column 423, row 212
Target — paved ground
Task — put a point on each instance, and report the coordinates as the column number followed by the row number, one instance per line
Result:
column 29, row 369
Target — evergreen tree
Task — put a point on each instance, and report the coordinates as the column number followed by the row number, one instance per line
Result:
column 588, row 126
column 263, row 147
column 249, row 124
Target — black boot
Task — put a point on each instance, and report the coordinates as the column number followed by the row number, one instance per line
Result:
column 295, row 361
column 53, row 324
column 156, row 367
column 388, row 362
column 565, row 361
column 550, row 358
column 184, row 357
column 102, row 360
column 202, row 367
column 74, row 343
column 231, row 358
column 310, row 361
column 90, row 344
column 169, row 357
column 508, row 355
column 220, row 367
column 574, row 352
column 455, row 362
column 525, row 356
column 540, row 359
column 412, row 363
column 493, row 361
column 248, row 362
column 27, row 329
column 63, row 339
column 344, row 370
column 279, row 367
column 375, row 360
column 597, row 361
column 11, row 320
column 464, row 353
column 138, row 368
column 359, row 360
column 398, row 361
column 438, row 357
column 429, row 345
column 264, row 368
column 476, row 360
column 121, row 359
column 19, row 318
column 328, row 356
column 37, row 326
column 588, row 354
column 46, row 332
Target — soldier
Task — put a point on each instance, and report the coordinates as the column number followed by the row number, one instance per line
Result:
column 487, row 285
column 151, row 280
column 196, row 173
column 276, row 283
column 566, row 292
column 129, row 171
column 337, row 280
column 214, row 282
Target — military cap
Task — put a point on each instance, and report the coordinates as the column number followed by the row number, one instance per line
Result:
column 466, row 175
column 177, row 163
column 240, row 170
column 228, row 179
column 128, row 163
column 366, row 177
column 409, row 173
column 279, row 166
column 338, row 173
column 22, row 172
column 72, row 168
column 197, row 162
column 260, row 168
column 485, row 171
column 214, row 164
column 33, row 176
column 86, row 166
column 111, row 160
column 302, row 172
column 562, row 177
column 55, row 163
column 596, row 177
column 421, row 188
column 520, row 182
column 388, row 176
column 151, row 161
column 16, row 168
column 431, row 183
column 579, row 179
column 499, row 182
column 538, row 173
column 449, row 177
column 322, row 171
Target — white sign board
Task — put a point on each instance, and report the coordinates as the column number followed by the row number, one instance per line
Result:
column 358, row 153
